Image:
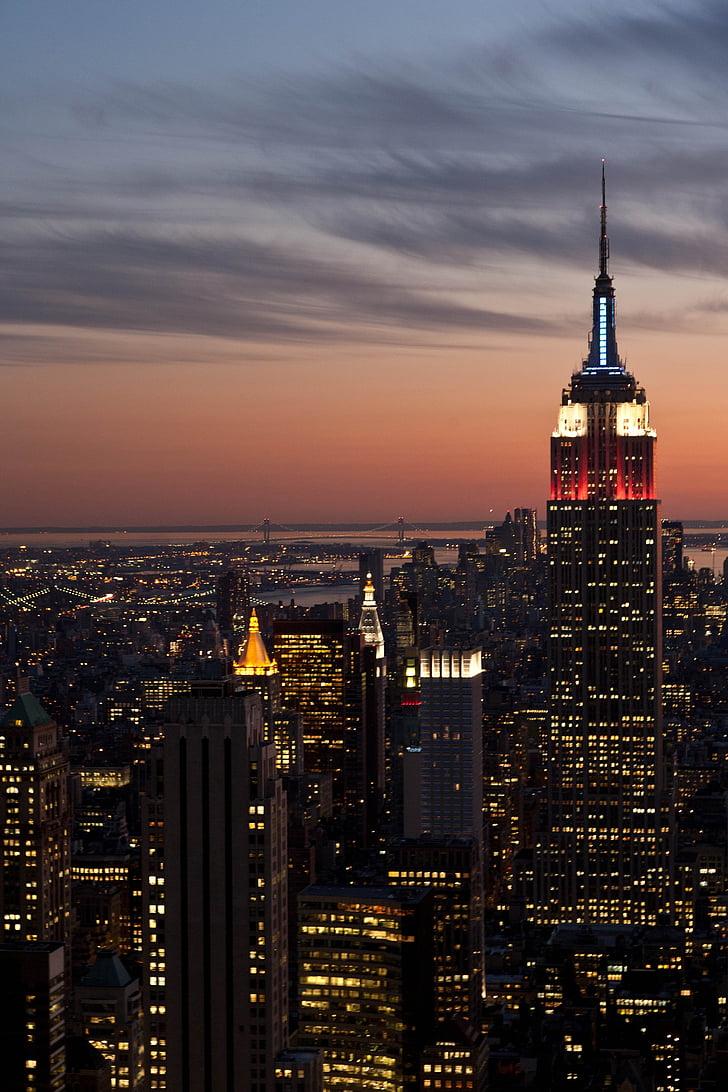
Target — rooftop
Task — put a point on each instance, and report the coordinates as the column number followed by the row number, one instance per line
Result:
column 25, row 712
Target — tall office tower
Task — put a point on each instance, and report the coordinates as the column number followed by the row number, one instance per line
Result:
column 233, row 601
column 406, row 615
column 453, row 868
column 402, row 730
column 32, row 1009
column 402, row 756
column 365, row 983
column 502, row 539
column 225, row 893
column 153, row 922
column 35, row 878
column 527, row 539
column 313, row 659
column 419, row 577
column 673, row 538
column 509, row 822
column 602, row 857
column 449, row 797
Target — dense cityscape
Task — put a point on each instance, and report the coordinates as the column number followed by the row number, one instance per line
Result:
column 282, row 812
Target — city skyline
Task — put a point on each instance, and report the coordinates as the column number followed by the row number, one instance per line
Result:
column 336, row 253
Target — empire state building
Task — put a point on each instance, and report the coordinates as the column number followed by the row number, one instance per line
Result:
column 602, row 855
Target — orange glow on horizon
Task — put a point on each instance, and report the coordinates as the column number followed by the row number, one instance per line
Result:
column 448, row 433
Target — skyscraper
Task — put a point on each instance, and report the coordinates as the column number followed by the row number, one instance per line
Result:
column 314, row 661
column 153, row 921
column 232, row 591
column 602, row 855
column 35, row 824
column 450, row 796
column 673, row 539
column 367, row 743
column 366, row 983
column 526, row 530
column 225, row 888
column 453, row 868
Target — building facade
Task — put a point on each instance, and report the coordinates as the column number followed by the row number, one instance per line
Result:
column 35, row 822
column 366, row 983
column 153, row 922
column 366, row 738
column 451, row 745
column 313, row 660
column 232, row 599
column 453, row 868
column 107, row 1004
column 225, row 892
column 32, row 1016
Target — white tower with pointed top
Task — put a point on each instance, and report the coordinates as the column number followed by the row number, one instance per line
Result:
column 369, row 624
column 373, row 707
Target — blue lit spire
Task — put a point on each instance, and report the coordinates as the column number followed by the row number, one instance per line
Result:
column 603, row 355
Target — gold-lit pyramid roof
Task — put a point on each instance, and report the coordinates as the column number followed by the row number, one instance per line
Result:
column 253, row 658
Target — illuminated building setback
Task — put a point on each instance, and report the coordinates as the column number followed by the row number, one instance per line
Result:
column 602, row 856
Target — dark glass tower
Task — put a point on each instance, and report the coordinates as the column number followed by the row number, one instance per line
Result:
column 602, row 855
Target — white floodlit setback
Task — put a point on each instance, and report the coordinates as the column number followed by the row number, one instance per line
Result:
column 630, row 420
column 448, row 663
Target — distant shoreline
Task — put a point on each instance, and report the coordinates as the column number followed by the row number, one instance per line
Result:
column 248, row 528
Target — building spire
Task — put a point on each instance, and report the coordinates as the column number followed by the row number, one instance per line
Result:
column 603, row 363
column 369, row 624
column 253, row 658
column 603, row 239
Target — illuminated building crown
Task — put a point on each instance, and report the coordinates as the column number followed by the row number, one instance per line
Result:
column 603, row 444
column 253, row 658
column 369, row 624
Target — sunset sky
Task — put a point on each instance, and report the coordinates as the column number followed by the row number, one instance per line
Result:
column 319, row 260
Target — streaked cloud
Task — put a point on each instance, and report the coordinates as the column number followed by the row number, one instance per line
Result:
column 279, row 210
